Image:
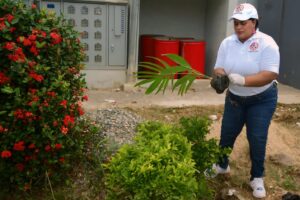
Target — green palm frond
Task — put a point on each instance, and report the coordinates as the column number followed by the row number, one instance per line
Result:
column 159, row 74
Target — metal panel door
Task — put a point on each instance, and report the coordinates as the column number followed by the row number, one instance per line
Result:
column 290, row 43
column 279, row 19
column 117, row 55
column 91, row 21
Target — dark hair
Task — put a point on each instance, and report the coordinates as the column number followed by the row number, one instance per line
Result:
column 256, row 24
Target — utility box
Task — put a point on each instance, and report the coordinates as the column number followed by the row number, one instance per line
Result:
column 103, row 29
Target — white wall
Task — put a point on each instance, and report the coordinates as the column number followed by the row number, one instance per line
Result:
column 104, row 78
column 216, row 30
column 179, row 18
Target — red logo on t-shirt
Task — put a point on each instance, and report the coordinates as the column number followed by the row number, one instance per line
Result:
column 239, row 9
column 253, row 46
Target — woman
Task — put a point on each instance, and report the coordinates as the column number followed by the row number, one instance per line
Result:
column 250, row 59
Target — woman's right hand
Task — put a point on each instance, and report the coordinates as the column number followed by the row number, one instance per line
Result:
column 219, row 71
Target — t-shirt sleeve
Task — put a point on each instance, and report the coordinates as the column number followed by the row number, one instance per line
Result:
column 221, row 56
column 270, row 59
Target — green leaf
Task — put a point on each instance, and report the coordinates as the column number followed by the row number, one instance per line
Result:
column 14, row 21
column 40, row 44
column 7, row 90
column 179, row 60
column 143, row 82
column 164, row 63
column 3, row 112
column 7, row 36
column 159, row 67
column 153, row 86
column 151, row 68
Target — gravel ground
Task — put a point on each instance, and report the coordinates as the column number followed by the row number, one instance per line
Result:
column 116, row 124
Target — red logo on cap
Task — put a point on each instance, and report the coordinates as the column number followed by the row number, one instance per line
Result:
column 253, row 46
column 239, row 8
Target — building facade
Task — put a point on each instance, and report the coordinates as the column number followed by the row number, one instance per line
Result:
column 111, row 30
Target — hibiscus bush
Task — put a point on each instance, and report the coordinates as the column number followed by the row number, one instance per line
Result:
column 41, row 94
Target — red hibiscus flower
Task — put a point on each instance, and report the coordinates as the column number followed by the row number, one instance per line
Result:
column 68, row 120
column 12, row 29
column 31, row 64
column 19, row 146
column 37, row 77
column 85, row 97
column 3, row 79
column 31, row 146
column 9, row 17
column 62, row 159
column 5, row 154
column 2, row 26
column 64, row 130
column 58, row 146
column 47, row 148
column 20, row 167
column 63, row 103
column 32, row 37
column 56, row 38
column 26, row 42
column 51, row 94
column 80, row 111
column 34, row 50
column 9, row 46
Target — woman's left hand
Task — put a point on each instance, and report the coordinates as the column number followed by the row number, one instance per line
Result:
column 237, row 79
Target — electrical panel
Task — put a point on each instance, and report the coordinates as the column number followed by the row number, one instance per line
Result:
column 102, row 27
column 117, row 35
column 52, row 6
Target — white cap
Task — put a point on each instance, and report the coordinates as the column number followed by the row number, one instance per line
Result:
column 244, row 12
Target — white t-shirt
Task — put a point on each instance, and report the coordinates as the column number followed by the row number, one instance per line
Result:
column 258, row 53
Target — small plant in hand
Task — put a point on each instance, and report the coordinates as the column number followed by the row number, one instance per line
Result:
column 41, row 94
column 160, row 74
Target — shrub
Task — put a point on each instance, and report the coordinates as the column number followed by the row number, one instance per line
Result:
column 41, row 91
column 205, row 151
column 158, row 165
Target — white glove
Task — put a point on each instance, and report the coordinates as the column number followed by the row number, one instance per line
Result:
column 237, row 79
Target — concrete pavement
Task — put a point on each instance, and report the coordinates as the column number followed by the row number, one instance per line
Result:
column 200, row 94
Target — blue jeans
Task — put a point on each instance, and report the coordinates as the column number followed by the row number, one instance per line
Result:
column 256, row 113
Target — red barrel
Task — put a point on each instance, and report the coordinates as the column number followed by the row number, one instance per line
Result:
column 147, row 47
column 194, row 54
column 165, row 45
